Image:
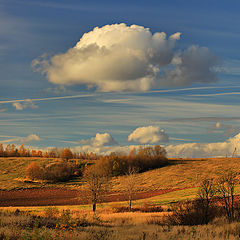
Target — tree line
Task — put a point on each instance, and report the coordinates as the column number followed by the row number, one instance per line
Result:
column 12, row 150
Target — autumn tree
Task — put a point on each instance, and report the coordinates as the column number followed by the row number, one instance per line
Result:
column 39, row 153
column 22, row 151
column 34, row 172
column 66, row 154
column 130, row 184
column 96, row 180
column 34, row 153
column 1, row 150
column 46, row 155
column 53, row 153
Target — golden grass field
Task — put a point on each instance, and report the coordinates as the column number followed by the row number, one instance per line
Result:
column 184, row 176
column 186, row 173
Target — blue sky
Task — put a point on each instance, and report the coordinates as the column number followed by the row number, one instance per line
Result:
column 67, row 115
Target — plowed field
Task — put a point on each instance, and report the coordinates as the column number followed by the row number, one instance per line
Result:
column 60, row 196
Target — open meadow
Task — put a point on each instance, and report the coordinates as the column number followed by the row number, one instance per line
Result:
column 47, row 210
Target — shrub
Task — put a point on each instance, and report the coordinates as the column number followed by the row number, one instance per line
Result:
column 190, row 213
column 51, row 212
column 34, row 172
column 54, row 172
column 58, row 172
column 151, row 207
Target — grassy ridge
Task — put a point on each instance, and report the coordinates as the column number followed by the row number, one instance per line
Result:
column 186, row 173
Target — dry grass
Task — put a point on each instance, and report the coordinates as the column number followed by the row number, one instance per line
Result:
column 184, row 173
column 131, row 218
column 144, row 228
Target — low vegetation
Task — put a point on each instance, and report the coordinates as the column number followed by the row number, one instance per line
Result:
column 56, row 224
column 54, row 172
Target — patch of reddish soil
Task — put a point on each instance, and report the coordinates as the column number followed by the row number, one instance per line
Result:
column 61, row 196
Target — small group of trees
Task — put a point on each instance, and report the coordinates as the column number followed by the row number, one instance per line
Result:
column 143, row 159
column 97, row 181
column 216, row 197
column 54, row 172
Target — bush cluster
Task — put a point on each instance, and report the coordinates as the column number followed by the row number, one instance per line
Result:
column 55, row 172
column 191, row 213
column 143, row 159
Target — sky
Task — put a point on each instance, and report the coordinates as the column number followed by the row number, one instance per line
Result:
column 109, row 75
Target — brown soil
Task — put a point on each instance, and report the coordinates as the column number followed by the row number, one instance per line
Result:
column 60, row 196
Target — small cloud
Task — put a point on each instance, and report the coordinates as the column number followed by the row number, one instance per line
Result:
column 57, row 90
column 18, row 106
column 100, row 140
column 227, row 129
column 28, row 103
column 218, row 125
column 149, row 134
column 30, row 138
column 2, row 110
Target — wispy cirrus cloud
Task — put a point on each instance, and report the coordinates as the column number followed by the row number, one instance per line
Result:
column 203, row 119
column 16, row 139
column 46, row 99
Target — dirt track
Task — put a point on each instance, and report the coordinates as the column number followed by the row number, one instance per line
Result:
column 60, row 196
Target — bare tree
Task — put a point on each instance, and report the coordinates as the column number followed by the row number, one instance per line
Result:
column 96, row 180
column 206, row 192
column 130, row 184
column 226, row 189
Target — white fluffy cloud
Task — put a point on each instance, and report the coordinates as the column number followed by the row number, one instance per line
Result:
column 30, row 138
column 26, row 104
column 100, row 140
column 119, row 57
column 218, row 149
column 149, row 134
column 187, row 150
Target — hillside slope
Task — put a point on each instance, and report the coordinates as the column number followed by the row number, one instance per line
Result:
column 184, row 173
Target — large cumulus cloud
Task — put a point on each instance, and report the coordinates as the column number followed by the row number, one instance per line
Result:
column 148, row 134
column 119, row 57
